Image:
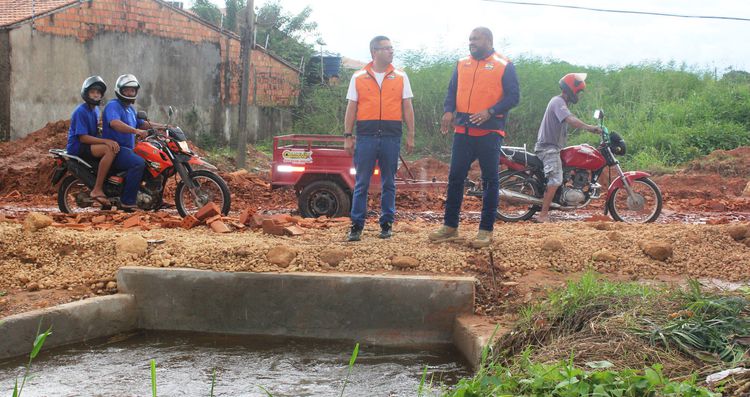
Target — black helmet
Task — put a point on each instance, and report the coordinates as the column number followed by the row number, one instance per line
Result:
column 126, row 80
column 89, row 83
column 617, row 144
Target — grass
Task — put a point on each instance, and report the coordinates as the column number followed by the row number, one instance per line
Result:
column 595, row 337
column 36, row 348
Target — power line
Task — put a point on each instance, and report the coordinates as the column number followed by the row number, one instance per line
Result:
column 659, row 14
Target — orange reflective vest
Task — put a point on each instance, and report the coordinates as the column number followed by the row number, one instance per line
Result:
column 480, row 86
column 379, row 109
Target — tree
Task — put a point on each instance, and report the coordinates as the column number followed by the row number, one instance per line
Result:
column 233, row 10
column 286, row 32
column 208, row 11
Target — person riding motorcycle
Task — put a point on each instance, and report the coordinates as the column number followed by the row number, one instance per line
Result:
column 83, row 140
column 121, row 124
column 553, row 135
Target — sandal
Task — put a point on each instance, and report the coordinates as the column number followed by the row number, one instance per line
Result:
column 102, row 199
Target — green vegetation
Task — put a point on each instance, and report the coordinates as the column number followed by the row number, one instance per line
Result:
column 595, row 337
column 668, row 114
column 37, row 347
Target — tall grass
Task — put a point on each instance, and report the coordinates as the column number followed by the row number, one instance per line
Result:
column 667, row 113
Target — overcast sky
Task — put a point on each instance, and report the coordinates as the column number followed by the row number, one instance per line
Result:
column 576, row 36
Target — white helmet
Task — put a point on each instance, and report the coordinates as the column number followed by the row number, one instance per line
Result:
column 126, row 80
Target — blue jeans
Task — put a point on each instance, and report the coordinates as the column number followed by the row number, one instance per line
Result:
column 126, row 159
column 465, row 150
column 367, row 150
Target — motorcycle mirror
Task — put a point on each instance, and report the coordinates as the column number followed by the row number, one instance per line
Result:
column 170, row 113
column 142, row 115
column 599, row 114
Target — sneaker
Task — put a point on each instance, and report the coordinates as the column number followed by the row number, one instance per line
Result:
column 355, row 233
column 483, row 239
column 386, row 230
column 445, row 233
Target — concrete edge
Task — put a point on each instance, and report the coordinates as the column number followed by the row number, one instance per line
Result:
column 471, row 333
column 381, row 309
column 71, row 323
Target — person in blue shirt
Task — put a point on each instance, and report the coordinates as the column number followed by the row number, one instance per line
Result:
column 121, row 124
column 83, row 140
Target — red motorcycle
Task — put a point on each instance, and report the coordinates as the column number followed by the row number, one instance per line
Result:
column 631, row 196
column 166, row 154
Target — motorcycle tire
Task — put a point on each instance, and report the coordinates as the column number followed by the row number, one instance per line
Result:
column 648, row 184
column 518, row 181
column 321, row 198
column 207, row 176
column 62, row 195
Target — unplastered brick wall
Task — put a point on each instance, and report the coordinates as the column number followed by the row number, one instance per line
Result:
column 277, row 83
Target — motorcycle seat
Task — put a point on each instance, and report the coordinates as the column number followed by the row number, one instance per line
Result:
column 523, row 157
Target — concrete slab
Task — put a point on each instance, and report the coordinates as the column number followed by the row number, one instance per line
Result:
column 472, row 333
column 387, row 310
column 71, row 323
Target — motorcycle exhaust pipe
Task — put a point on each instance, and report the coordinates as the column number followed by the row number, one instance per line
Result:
column 520, row 198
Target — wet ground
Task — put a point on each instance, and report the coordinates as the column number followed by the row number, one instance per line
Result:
column 243, row 366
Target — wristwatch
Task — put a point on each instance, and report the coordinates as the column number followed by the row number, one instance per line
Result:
column 348, row 135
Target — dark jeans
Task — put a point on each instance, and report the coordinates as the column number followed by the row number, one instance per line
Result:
column 126, row 159
column 465, row 150
column 367, row 150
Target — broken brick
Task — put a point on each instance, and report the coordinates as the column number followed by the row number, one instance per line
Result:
column 170, row 223
column 133, row 221
column 271, row 227
column 246, row 215
column 189, row 222
column 220, row 227
column 256, row 221
column 99, row 219
column 294, row 230
column 208, row 210
column 213, row 219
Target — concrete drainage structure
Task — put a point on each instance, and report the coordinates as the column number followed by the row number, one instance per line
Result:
column 384, row 310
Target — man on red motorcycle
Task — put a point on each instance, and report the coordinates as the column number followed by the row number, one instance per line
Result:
column 83, row 140
column 553, row 134
column 120, row 123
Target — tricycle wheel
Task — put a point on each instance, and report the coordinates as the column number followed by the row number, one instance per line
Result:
column 324, row 198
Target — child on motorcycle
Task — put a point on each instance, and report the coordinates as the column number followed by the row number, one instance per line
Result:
column 553, row 135
column 82, row 136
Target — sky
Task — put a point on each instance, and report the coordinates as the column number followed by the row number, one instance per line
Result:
column 576, row 36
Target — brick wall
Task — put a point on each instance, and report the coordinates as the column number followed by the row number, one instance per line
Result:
column 272, row 83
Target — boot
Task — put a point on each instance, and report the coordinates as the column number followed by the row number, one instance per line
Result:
column 445, row 233
column 483, row 239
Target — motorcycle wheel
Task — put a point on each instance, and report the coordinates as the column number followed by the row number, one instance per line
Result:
column 210, row 188
column 520, row 182
column 644, row 207
column 73, row 196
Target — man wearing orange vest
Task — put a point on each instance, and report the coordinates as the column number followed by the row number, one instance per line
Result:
column 379, row 101
column 483, row 89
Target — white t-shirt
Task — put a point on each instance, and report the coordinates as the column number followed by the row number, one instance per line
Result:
column 353, row 96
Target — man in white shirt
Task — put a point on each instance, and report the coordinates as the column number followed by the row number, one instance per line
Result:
column 379, row 103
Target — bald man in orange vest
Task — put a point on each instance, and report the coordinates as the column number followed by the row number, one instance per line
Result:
column 483, row 89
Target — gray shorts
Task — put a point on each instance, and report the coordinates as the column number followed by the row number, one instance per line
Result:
column 553, row 169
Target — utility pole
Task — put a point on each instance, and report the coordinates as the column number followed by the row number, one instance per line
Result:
column 246, row 53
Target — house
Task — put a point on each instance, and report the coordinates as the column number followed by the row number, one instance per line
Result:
column 48, row 47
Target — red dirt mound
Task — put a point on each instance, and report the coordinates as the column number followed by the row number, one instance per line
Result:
column 27, row 168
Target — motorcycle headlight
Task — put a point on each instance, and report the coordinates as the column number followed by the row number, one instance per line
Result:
column 184, row 146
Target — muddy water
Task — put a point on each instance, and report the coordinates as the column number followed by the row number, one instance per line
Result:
column 244, row 365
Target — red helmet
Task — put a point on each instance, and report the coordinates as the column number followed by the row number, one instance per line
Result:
column 572, row 84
